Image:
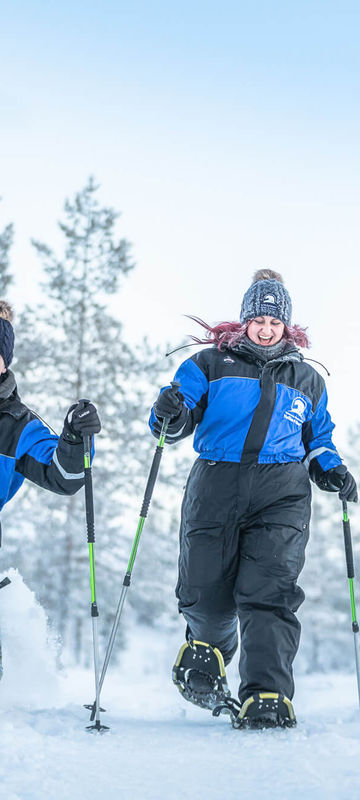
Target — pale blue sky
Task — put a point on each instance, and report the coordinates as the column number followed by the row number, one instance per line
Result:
column 226, row 133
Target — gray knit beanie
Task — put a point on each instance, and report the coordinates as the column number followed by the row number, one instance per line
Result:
column 266, row 296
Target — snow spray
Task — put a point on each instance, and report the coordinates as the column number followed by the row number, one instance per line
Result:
column 28, row 649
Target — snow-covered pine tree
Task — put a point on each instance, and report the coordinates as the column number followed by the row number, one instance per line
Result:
column 70, row 347
column 6, row 241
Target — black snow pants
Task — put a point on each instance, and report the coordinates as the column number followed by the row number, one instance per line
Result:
column 243, row 535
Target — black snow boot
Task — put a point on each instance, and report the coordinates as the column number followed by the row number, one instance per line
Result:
column 265, row 710
column 199, row 674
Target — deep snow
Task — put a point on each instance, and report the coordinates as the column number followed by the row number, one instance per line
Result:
column 158, row 745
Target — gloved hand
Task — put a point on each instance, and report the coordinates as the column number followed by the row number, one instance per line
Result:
column 336, row 479
column 81, row 420
column 169, row 403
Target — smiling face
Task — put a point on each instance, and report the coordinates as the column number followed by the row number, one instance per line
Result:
column 265, row 331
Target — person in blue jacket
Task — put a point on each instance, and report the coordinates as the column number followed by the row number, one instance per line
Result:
column 262, row 428
column 27, row 448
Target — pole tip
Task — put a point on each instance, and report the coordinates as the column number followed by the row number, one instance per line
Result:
column 97, row 728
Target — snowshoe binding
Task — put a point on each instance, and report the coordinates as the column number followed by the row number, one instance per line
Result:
column 264, row 710
column 199, row 674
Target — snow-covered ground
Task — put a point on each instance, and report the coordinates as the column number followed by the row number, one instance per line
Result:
column 158, row 746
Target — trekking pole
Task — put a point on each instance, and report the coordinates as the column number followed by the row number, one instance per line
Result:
column 154, row 469
column 351, row 576
column 90, row 524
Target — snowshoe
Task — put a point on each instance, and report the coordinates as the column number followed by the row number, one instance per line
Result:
column 265, row 710
column 199, row 674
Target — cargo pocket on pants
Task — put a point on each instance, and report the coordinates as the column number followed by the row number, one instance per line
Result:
column 201, row 553
column 278, row 552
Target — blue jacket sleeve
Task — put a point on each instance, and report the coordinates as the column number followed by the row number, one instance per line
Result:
column 194, row 386
column 49, row 461
column 317, row 438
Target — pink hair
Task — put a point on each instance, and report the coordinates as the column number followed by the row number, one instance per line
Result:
column 227, row 334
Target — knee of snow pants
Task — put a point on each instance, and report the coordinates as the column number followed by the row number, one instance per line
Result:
column 211, row 616
column 207, row 570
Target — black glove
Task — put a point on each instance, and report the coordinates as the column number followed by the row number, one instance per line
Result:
column 336, row 479
column 81, row 420
column 169, row 404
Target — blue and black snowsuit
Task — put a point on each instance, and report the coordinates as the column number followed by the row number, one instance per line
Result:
column 29, row 450
column 247, row 504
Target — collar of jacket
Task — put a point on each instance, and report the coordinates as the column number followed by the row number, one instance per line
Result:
column 7, row 386
column 289, row 353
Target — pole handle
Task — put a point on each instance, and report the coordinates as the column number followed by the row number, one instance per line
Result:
column 86, row 443
column 89, row 500
column 87, row 450
column 175, row 385
column 347, row 541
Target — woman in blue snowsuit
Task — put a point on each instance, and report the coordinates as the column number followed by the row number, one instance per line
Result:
column 27, row 448
column 259, row 413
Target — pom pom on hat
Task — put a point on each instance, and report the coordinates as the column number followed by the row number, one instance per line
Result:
column 267, row 296
column 7, row 336
column 6, row 311
column 267, row 275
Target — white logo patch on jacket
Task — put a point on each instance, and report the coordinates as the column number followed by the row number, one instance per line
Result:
column 297, row 411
